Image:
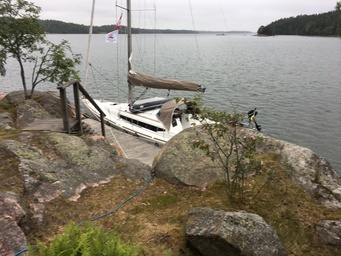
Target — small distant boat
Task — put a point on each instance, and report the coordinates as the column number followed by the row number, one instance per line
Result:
column 156, row 119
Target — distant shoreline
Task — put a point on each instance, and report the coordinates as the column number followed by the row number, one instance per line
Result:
column 60, row 27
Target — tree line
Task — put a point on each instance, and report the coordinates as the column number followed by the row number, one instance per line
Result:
column 324, row 24
column 60, row 27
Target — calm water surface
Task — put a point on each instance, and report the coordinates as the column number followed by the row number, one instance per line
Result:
column 295, row 82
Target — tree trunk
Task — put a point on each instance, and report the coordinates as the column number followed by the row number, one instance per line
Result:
column 22, row 74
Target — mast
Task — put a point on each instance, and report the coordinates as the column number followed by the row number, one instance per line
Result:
column 130, row 86
column 89, row 43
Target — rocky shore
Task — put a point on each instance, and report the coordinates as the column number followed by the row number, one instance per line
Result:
column 41, row 167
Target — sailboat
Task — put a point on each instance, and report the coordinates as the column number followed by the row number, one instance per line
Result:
column 156, row 119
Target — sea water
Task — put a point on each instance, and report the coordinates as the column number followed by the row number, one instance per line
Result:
column 294, row 81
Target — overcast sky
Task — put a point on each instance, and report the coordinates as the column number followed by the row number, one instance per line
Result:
column 215, row 15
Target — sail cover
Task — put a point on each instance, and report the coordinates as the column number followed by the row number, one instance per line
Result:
column 161, row 83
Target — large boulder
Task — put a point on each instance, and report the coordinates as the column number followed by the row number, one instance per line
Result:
column 54, row 164
column 134, row 169
column 28, row 111
column 179, row 163
column 49, row 100
column 216, row 232
column 15, row 98
column 42, row 105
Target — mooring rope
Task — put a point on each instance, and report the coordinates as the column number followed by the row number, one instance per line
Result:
column 121, row 204
column 118, row 144
column 110, row 212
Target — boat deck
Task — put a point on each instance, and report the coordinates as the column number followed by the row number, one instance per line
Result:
column 132, row 147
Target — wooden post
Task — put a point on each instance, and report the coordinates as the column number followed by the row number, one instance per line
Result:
column 78, row 108
column 66, row 124
column 102, row 115
column 102, row 124
column 76, row 88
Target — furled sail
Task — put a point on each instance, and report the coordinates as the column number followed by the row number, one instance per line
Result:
column 161, row 83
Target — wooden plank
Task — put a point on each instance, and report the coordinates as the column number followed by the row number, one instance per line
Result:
column 132, row 146
column 49, row 124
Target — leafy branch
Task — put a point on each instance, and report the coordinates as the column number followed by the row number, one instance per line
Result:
column 222, row 140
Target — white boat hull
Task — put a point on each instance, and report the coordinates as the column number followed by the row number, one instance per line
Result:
column 145, row 124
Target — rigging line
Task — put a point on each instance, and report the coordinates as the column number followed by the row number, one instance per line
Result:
column 143, row 93
column 94, row 77
column 154, row 38
column 110, row 82
column 195, row 34
column 228, row 34
column 89, row 43
column 140, row 41
column 158, row 39
column 146, row 11
column 117, row 59
column 112, row 133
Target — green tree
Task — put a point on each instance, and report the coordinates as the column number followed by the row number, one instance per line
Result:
column 323, row 24
column 338, row 6
column 53, row 64
column 260, row 30
column 338, row 23
column 22, row 38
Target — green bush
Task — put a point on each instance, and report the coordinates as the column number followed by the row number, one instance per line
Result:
column 231, row 149
column 87, row 240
